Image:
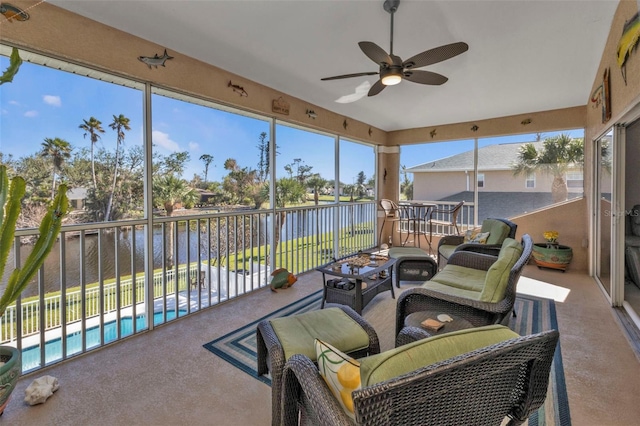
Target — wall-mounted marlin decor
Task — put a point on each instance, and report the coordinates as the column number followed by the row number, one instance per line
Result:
column 154, row 61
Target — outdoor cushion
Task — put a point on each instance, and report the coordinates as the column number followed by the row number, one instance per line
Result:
column 340, row 372
column 453, row 291
column 475, row 236
column 407, row 358
column 461, row 277
column 400, row 252
column 297, row 333
column 497, row 276
column 447, row 250
column 497, row 230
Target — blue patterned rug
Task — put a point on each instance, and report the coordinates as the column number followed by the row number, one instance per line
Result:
column 534, row 315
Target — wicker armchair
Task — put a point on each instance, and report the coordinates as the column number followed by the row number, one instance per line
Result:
column 433, row 297
column 451, row 243
column 482, row 387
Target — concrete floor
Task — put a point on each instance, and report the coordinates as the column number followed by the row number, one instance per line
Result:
column 167, row 377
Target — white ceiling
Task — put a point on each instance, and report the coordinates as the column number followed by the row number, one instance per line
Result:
column 524, row 56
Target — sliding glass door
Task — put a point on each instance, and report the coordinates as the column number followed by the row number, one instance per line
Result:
column 603, row 209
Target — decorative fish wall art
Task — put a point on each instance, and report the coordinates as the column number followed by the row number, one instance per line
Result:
column 627, row 43
column 238, row 89
column 12, row 12
column 154, row 61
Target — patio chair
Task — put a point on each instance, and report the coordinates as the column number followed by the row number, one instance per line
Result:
column 479, row 288
column 451, row 220
column 498, row 230
column 391, row 214
column 479, row 376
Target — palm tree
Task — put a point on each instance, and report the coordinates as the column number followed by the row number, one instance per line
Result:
column 119, row 124
column 207, row 159
column 58, row 150
column 557, row 155
column 317, row 183
column 93, row 126
column 168, row 191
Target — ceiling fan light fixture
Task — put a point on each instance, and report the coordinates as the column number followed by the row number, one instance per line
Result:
column 391, row 79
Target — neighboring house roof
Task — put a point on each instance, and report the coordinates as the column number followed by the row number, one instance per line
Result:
column 491, row 157
column 506, row 204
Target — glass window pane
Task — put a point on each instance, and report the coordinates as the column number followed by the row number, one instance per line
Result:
column 357, row 171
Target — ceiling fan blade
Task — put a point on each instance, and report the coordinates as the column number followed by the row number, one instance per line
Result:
column 425, row 77
column 358, row 74
column 436, row 55
column 376, row 88
column 375, row 52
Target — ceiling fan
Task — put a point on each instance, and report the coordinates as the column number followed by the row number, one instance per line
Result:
column 393, row 70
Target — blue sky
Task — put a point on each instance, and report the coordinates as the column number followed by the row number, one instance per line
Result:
column 46, row 103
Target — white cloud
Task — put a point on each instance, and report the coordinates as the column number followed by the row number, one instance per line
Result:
column 52, row 100
column 31, row 114
column 4, row 111
column 194, row 146
column 13, row 103
column 163, row 140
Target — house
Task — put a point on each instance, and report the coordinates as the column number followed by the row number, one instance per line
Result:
column 441, row 178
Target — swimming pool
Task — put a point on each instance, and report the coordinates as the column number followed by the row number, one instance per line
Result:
column 53, row 348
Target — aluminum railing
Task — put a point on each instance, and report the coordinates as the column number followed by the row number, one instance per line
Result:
column 84, row 296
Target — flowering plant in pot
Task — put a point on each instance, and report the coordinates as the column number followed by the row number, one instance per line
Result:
column 11, row 193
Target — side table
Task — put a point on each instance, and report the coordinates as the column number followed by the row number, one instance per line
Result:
column 414, row 330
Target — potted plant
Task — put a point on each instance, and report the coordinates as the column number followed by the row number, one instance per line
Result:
column 551, row 254
column 11, row 194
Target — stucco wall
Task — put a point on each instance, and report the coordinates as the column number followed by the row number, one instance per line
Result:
column 568, row 220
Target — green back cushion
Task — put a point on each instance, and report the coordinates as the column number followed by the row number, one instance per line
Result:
column 497, row 276
column 497, row 230
column 405, row 359
column 297, row 333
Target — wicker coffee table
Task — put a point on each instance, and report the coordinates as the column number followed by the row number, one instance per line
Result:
column 357, row 285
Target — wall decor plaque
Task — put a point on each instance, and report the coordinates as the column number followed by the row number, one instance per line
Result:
column 280, row 106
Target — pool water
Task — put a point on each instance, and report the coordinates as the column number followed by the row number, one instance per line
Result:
column 53, row 348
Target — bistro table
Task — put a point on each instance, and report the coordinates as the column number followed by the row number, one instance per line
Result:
column 415, row 213
column 361, row 278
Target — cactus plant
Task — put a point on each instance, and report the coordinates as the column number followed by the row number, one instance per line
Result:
column 11, row 193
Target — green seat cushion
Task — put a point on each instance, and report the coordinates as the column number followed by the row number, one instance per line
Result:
column 400, row 252
column 497, row 229
column 446, row 250
column 297, row 333
column 407, row 358
column 461, row 277
column 454, row 291
column 497, row 277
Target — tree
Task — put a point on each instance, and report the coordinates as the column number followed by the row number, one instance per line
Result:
column 168, row 191
column 316, row 183
column 92, row 127
column 174, row 163
column 241, row 184
column 557, row 155
column 406, row 186
column 206, row 159
column 58, row 150
column 263, row 162
column 119, row 124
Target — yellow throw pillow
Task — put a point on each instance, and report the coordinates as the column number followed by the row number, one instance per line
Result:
column 475, row 236
column 340, row 372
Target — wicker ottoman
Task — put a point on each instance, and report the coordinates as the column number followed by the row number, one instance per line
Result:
column 279, row 339
column 413, row 264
